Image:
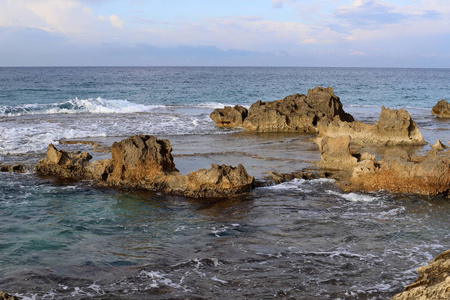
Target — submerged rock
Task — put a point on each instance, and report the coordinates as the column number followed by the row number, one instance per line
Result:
column 398, row 172
column 143, row 161
column 433, row 282
column 296, row 113
column 394, row 127
column 441, row 109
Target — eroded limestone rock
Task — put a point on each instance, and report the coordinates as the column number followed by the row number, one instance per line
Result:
column 397, row 172
column 143, row 161
column 394, row 127
column 229, row 117
column 296, row 113
column 441, row 109
column 433, row 282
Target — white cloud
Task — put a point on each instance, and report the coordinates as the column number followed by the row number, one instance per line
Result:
column 69, row 17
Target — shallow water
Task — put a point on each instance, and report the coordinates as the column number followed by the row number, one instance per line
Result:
column 300, row 239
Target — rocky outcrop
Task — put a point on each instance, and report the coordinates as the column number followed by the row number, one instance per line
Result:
column 433, row 282
column 229, row 117
column 143, row 161
column 295, row 113
column 398, row 172
column 5, row 296
column 394, row 127
column 441, row 109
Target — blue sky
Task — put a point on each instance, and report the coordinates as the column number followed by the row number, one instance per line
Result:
column 354, row 33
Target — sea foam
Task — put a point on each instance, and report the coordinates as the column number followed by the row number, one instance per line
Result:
column 78, row 106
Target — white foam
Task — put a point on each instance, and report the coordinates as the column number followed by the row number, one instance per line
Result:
column 354, row 197
column 78, row 106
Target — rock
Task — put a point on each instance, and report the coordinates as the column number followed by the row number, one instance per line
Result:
column 5, row 296
column 398, row 172
column 143, row 161
column 433, row 282
column 295, row 113
column 15, row 168
column 216, row 182
column 335, row 153
column 64, row 164
column 441, row 109
column 394, row 127
column 229, row 117
column 140, row 158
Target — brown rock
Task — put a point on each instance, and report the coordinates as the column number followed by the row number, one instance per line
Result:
column 140, row 158
column 5, row 296
column 441, row 109
column 335, row 153
column 64, row 164
column 229, row 117
column 433, row 282
column 400, row 173
column 143, row 161
column 216, row 182
column 296, row 113
column 394, row 127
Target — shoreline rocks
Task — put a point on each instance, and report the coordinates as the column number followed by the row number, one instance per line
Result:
column 143, row 161
column 394, row 127
column 441, row 109
column 295, row 113
column 433, row 282
column 397, row 172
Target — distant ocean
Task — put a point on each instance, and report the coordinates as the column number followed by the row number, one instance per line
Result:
column 299, row 239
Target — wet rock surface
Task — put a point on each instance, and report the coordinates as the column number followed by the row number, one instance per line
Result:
column 433, row 282
column 441, row 109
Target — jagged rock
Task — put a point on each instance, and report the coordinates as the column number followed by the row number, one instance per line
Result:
column 400, row 173
column 64, row 164
column 397, row 172
column 441, row 109
column 5, row 296
column 335, row 153
column 229, row 117
column 143, row 161
column 433, row 282
column 296, row 113
column 394, row 127
column 140, row 158
column 216, row 182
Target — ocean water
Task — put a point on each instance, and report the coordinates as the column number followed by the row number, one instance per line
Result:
column 301, row 239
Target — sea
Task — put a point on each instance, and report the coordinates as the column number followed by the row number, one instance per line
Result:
column 61, row 239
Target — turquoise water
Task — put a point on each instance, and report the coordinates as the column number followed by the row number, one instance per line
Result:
column 305, row 240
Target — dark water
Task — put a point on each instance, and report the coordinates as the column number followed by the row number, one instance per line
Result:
column 299, row 239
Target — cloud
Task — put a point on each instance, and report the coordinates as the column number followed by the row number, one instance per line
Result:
column 69, row 17
column 113, row 19
column 369, row 13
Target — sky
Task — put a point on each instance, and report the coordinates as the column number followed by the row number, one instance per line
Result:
column 322, row 33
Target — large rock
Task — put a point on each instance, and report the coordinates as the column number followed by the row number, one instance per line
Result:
column 143, row 161
column 139, row 158
column 441, row 109
column 216, row 182
column 229, row 117
column 398, row 172
column 433, row 282
column 296, row 113
column 394, row 127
